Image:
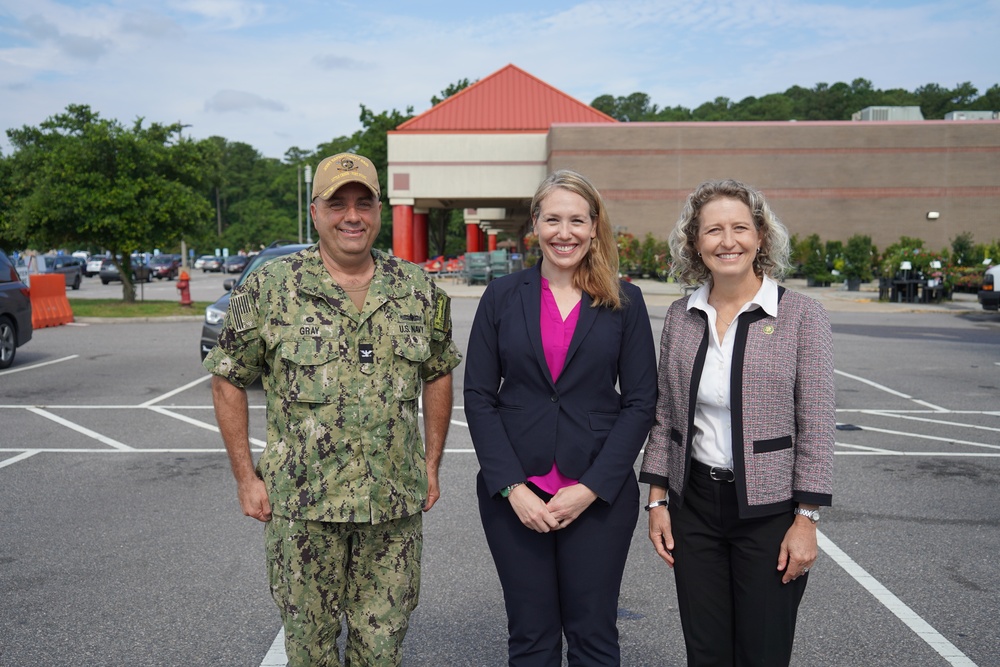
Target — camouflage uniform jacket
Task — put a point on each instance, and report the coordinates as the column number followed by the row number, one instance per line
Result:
column 343, row 442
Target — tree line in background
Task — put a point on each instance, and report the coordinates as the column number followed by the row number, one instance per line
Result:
column 821, row 102
column 83, row 182
column 958, row 268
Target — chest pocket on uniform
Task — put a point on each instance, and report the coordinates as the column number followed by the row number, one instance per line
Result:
column 309, row 368
column 409, row 352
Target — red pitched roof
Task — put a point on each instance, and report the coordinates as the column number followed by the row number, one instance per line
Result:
column 508, row 100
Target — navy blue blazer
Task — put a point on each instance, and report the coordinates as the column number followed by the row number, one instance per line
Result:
column 521, row 421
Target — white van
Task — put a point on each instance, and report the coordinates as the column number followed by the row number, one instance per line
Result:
column 989, row 295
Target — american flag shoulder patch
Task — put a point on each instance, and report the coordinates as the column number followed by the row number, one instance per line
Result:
column 242, row 312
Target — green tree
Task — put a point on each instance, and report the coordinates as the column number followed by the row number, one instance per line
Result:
column 963, row 249
column 452, row 88
column 631, row 108
column 82, row 181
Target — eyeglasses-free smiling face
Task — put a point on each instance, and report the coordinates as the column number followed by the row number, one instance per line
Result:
column 727, row 239
column 348, row 222
column 565, row 229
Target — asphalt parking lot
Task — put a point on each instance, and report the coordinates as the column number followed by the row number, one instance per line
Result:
column 123, row 544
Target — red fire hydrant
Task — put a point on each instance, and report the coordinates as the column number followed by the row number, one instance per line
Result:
column 184, row 285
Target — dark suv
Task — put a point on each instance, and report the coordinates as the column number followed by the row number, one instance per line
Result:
column 15, row 312
column 216, row 313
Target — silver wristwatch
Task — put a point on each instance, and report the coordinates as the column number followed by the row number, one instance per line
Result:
column 812, row 515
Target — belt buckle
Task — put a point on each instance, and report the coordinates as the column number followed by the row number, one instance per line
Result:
column 722, row 475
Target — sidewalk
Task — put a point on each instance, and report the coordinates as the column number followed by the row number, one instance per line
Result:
column 834, row 299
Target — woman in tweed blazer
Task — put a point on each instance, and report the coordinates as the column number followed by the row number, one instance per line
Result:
column 741, row 454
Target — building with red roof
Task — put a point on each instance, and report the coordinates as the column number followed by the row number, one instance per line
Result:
column 485, row 150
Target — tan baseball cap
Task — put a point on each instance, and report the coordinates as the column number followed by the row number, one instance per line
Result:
column 343, row 168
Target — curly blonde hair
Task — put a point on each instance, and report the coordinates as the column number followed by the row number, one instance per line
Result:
column 775, row 248
column 597, row 274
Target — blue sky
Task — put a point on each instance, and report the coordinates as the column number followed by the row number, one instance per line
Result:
column 276, row 74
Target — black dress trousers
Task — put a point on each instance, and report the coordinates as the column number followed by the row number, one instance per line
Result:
column 734, row 609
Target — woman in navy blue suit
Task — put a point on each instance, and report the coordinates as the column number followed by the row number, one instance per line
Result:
column 560, row 391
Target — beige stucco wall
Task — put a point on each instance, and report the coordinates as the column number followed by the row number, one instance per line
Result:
column 459, row 169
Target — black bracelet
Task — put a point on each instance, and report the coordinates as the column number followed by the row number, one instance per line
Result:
column 657, row 503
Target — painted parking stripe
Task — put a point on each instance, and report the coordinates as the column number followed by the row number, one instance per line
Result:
column 38, row 365
column 953, row 441
column 922, row 628
column 276, row 654
column 14, row 459
column 174, row 392
column 931, row 421
column 199, row 423
column 81, row 429
column 882, row 387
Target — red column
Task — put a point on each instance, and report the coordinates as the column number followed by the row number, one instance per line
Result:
column 482, row 238
column 419, row 237
column 402, row 232
column 471, row 237
column 493, row 242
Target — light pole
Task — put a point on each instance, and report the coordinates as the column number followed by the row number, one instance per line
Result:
column 298, row 182
column 309, row 225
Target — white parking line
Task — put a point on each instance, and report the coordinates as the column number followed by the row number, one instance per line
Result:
column 882, row 387
column 174, row 392
column 922, row 628
column 931, row 421
column 275, row 656
column 38, row 365
column 15, row 459
column 199, row 424
column 81, row 429
column 922, row 436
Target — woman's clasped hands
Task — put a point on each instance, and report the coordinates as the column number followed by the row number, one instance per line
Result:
column 565, row 506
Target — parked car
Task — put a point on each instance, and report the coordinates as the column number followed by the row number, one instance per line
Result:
column 216, row 313
column 211, row 263
column 15, row 312
column 140, row 272
column 70, row 267
column 94, row 264
column 235, row 263
column 989, row 295
column 165, row 266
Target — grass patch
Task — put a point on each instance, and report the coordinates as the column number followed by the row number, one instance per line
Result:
column 118, row 308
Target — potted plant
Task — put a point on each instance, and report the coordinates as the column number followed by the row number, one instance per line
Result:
column 857, row 261
column 814, row 262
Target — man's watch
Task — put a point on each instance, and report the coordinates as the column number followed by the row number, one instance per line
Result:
column 812, row 515
column 505, row 491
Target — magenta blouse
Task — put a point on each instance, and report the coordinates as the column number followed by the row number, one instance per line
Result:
column 556, row 337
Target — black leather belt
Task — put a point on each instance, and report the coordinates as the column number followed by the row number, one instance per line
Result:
column 715, row 474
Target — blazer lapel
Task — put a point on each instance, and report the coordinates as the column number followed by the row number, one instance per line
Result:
column 531, row 301
column 585, row 322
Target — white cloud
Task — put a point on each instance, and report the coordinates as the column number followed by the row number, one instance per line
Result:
column 238, row 100
column 276, row 75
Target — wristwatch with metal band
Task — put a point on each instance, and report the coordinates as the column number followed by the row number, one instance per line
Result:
column 812, row 515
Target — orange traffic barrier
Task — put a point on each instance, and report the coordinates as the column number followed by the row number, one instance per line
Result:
column 49, row 305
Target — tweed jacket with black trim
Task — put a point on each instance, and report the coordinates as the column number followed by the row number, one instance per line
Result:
column 783, row 405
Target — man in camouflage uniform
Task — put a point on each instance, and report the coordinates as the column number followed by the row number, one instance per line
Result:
column 343, row 337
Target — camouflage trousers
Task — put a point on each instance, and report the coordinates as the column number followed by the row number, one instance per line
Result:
column 322, row 572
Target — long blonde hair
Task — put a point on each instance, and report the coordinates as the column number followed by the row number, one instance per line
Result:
column 597, row 274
